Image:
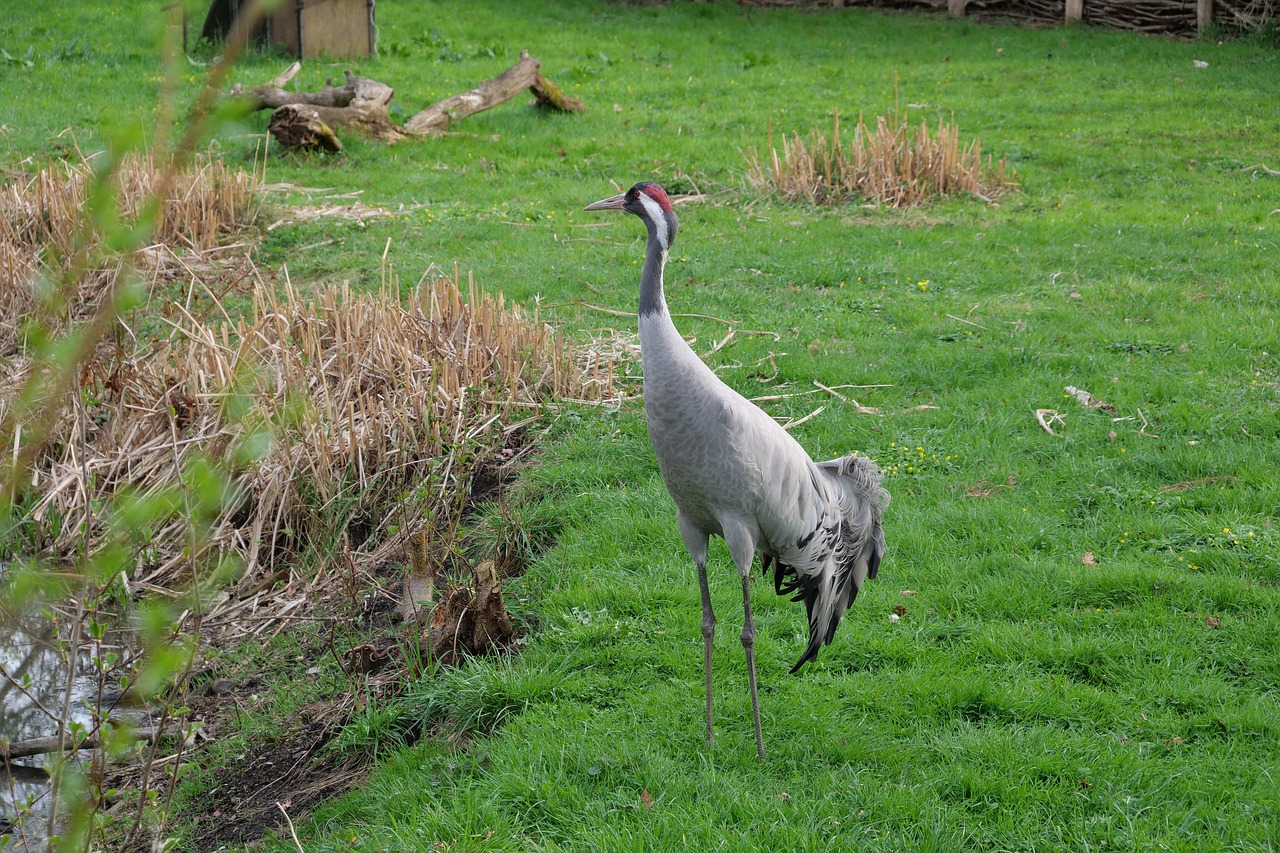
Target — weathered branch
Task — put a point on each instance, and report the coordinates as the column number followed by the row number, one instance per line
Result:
column 308, row 119
column 359, row 93
column 46, row 745
column 525, row 74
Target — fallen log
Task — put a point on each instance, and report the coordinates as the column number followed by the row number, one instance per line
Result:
column 359, row 93
column 308, row 119
column 525, row 74
column 66, row 743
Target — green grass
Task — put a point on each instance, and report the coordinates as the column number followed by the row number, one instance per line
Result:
column 1026, row 701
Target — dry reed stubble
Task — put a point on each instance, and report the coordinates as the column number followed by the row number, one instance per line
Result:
column 378, row 414
column 895, row 163
column 43, row 227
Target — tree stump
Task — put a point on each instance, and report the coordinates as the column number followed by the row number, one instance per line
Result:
column 471, row 621
column 300, row 126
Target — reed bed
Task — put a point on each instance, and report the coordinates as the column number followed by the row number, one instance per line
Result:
column 378, row 415
column 44, row 229
column 344, row 422
column 894, row 163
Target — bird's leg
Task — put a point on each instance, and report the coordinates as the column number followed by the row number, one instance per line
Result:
column 741, row 540
column 749, row 644
column 708, row 634
column 696, row 542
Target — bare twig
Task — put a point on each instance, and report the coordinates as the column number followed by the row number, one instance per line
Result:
column 862, row 410
column 292, row 832
column 1143, row 429
column 1087, row 400
column 791, row 424
column 616, row 313
column 768, row 398
column 1045, row 417
column 967, row 322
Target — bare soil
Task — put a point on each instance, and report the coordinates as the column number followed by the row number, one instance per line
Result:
column 251, row 798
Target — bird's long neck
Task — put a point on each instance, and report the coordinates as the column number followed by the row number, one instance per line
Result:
column 652, row 300
column 666, row 355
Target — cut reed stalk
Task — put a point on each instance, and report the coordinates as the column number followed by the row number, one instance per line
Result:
column 894, row 163
column 379, row 414
column 42, row 226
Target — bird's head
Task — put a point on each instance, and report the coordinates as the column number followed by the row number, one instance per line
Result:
column 648, row 201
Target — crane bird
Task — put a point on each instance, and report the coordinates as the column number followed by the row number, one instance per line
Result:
column 735, row 473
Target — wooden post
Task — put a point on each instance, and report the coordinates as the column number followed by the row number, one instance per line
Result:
column 1075, row 10
column 1204, row 14
column 955, row 8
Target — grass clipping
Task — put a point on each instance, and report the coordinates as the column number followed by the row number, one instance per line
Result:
column 893, row 163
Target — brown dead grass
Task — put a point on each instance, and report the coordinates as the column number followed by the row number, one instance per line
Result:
column 892, row 162
column 43, row 228
column 378, row 415
column 371, row 414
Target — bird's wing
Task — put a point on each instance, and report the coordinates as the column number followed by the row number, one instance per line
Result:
column 862, row 501
column 841, row 549
column 776, row 484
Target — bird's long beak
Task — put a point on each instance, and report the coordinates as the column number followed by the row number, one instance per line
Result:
column 612, row 203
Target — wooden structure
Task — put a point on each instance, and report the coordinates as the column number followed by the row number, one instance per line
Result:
column 1174, row 17
column 1178, row 18
column 342, row 29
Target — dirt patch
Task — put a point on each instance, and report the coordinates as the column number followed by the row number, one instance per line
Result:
column 295, row 771
column 245, row 801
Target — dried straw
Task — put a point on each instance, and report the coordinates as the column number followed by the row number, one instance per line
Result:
column 43, row 222
column 371, row 415
column 379, row 415
column 893, row 163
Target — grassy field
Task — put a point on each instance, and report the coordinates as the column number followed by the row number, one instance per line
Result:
column 1087, row 657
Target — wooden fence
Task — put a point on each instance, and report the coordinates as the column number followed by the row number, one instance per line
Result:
column 1179, row 18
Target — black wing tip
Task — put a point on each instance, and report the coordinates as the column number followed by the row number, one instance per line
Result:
column 874, row 558
column 810, row 654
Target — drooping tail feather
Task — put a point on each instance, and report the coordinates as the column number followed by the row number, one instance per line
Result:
column 859, row 547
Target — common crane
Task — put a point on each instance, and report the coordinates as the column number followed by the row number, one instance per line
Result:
column 734, row 472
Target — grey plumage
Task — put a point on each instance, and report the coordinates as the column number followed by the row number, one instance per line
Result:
column 734, row 472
